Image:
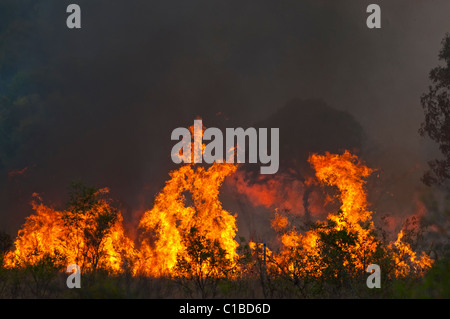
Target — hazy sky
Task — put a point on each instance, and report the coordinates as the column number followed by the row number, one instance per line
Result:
column 138, row 69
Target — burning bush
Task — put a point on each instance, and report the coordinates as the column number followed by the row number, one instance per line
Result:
column 339, row 250
column 204, row 263
column 165, row 227
column 189, row 237
column 89, row 233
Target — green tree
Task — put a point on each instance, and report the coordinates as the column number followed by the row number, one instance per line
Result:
column 90, row 215
column 43, row 273
column 204, row 264
column 335, row 248
column 335, row 268
column 436, row 105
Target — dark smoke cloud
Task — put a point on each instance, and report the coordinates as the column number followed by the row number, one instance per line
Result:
column 112, row 92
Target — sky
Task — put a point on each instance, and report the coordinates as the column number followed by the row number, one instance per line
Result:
column 115, row 89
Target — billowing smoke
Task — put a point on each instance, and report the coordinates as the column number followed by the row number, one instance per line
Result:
column 98, row 104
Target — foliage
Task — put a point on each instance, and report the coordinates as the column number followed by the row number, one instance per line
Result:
column 204, row 264
column 90, row 214
column 435, row 283
column 336, row 265
column 436, row 105
column 43, row 273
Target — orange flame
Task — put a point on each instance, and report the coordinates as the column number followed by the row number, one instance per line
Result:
column 190, row 199
column 406, row 260
column 47, row 233
column 347, row 173
column 165, row 226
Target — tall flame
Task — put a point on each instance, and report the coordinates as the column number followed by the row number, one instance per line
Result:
column 170, row 220
column 166, row 226
column 346, row 173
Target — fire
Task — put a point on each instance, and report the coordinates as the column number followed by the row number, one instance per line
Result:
column 351, row 230
column 166, row 225
column 49, row 232
column 346, row 173
column 189, row 200
column 90, row 231
column 271, row 191
column 406, row 260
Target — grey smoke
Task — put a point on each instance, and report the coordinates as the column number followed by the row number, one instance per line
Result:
column 116, row 88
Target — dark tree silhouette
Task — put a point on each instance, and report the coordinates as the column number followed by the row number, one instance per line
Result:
column 6, row 242
column 436, row 105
